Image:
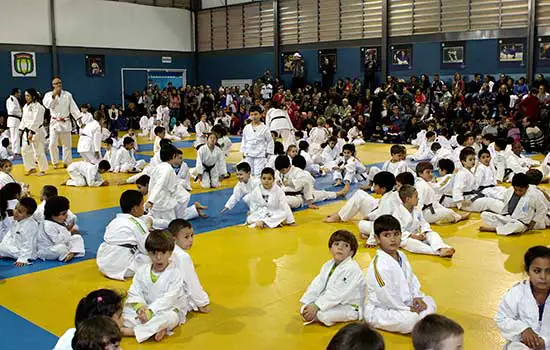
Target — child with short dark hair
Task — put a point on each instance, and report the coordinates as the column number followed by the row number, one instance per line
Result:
column 123, row 247
column 395, row 302
column 338, row 292
column 87, row 174
column 101, row 302
column 47, row 192
column 20, row 241
column 246, row 185
column 437, row 332
column 55, row 241
column 160, row 134
column 97, row 333
column 395, row 165
column 522, row 314
column 156, row 302
column 125, row 161
column 424, row 152
column 486, row 176
column 349, row 169
column 523, row 210
column 209, row 163
column 183, row 234
column 267, row 203
column 257, row 143
column 357, row 336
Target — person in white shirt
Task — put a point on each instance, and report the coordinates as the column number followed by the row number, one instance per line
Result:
column 13, row 109
column 61, row 105
column 33, row 134
column 182, row 232
column 89, row 142
column 20, row 241
column 257, row 143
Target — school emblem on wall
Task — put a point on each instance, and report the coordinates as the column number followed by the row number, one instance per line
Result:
column 23, row 64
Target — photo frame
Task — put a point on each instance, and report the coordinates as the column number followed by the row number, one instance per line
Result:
column 401, row 56
column 511, row 52
column 330, row 54
column 287, row 63
column 543, row 51
column 95, row 65
column 375, row 52
column 453, row 54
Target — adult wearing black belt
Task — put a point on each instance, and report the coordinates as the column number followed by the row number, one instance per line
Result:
column 61, row 105
column 14, row 118
column 33, row 134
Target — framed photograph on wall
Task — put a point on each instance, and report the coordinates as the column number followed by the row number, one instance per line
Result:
column 331, row 55
column 543, row 51
column 95, row 65
column 511, row 52
column 401, row 56
column 370, row 54
column 453, row 54
column 287, row 63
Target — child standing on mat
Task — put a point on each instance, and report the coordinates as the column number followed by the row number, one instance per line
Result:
column 337, row 293
column 395, row 302
column 257, row 142
column 183, row 234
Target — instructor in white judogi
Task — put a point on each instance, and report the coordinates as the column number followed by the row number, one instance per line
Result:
column 14, row 118
column 61, row 105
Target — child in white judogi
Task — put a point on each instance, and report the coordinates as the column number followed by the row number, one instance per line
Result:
column 338, row 292
column 85, row 116
column 4, row 152
column 163, row 115
column 428, row 201
column 202, row 129
column 110, row 151
column 349, row 170
column 465, row 189
column 464, row 140
column 151, row 126
column 267, row 203
column 318, row 136
column 518, row 163
column 395, row 165
column 180, row 130
column 417, row 236
column 257, row 143
column 313, row 168
column 156, row 302
column 246, row 185
column 355, row 135
column 123, row 248
column 444, row 184
column 47, row 192
column 87, row 174
column 132, row 134
column 363, row 203
column 55, row 241
column 125, row 161
column 160, row 134
column 278, row 120
column 486, row 177
column 420, row 136
column 395, row 302
column 424, row 151
column 225, row 144
column 89, row 142
column 523, row 314
column 523, row 210
column 440, row 153
column 144, row 126
column 330, row 154
column 182, row 232
column 20, row 241
column 168, row 199
column 298, row 186
column 209, row 162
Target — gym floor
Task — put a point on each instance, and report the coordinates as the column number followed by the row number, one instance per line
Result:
column 255, row 278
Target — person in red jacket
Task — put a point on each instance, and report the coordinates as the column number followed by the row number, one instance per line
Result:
column 530, row 106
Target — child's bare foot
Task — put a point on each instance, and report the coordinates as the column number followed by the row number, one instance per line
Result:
column 363, row 236
column 446, row 252
column 463, row 216
column 343, row 192
column 260, row 224
column 292, row 224
column 28, row 172
column 198, row 205
column 487, row 229
column 201, row 213
column 42, row 173
column 160, row 335
column 338, row 183
column 127, row 332
column 69, row 257
column 332, row 218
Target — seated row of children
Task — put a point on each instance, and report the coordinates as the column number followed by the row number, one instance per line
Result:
column 165, row 286
column 29, row 231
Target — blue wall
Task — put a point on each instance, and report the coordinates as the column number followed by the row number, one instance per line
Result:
column 481, row 56
column 93, row 90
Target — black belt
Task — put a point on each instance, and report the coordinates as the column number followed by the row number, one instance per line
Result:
column 293, row 193
column 26, row 131
column 507, row 172
column 208, row 169
column 477, row 194
column 481, row 188
column 429, row 206
column 14, row 116
column 133, row 248
column 442, row 199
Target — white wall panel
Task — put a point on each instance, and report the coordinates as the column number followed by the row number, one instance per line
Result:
column 208, row 4
column 110, row 24
column 24, row 22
